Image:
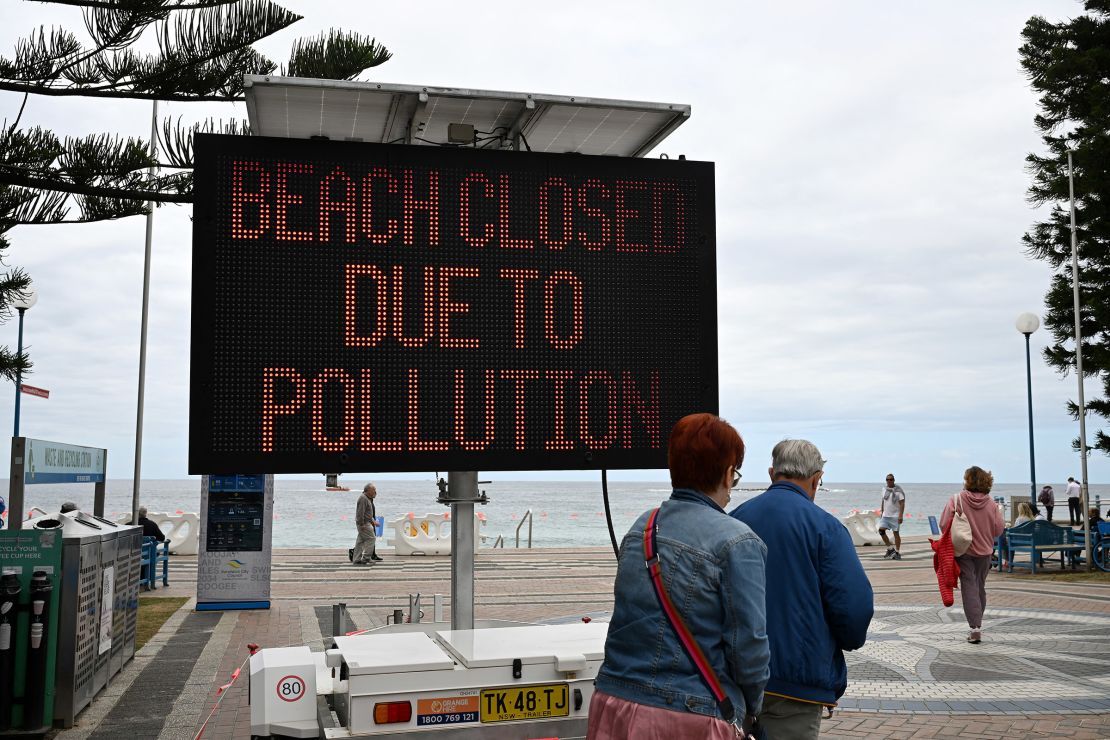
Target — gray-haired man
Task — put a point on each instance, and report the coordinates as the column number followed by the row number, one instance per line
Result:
column 819, row 601
column 364, row 552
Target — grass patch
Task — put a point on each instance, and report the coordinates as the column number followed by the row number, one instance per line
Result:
column 1081, row 576
column 153, row 613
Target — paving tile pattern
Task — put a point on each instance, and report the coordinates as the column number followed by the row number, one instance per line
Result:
column 1007, row 673
column 1042, row 671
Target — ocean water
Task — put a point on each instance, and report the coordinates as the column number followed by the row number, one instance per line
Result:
column 565, row 513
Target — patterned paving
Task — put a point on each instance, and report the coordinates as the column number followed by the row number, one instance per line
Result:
column 917, row 660
column 1043, row 670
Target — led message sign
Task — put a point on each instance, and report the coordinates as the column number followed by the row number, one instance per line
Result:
column 367, row 307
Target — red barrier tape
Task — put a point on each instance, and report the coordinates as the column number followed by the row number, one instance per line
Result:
column 252, row 648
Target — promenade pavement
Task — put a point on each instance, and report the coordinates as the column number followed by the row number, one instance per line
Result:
column 1042, row 671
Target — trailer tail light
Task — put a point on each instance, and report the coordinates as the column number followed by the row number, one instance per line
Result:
column 391, row 712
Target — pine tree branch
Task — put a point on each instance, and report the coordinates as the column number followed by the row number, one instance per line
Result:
column 115, row 4
column 176, row 140
column 203, row 53
column 111, row 91
column 23, row 206
column 21, row 179
column 13, row 286
column 336, row 55
column 14, row 365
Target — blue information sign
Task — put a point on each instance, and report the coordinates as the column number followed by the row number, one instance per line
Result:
column 57, row 462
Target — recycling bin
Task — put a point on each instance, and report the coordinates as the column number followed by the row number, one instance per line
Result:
column 99, row 595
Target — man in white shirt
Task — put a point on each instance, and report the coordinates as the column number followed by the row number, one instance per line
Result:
column 893, row 509
column 1075, row 510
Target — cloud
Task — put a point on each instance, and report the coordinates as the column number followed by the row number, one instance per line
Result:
column 870, row 201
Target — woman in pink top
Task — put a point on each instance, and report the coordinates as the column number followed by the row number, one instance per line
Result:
column 985, row 517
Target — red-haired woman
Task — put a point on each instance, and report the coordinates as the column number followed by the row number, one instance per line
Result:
column 712, row 571
column 985, row 518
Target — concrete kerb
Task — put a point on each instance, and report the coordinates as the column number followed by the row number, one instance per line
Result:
column 310, row 627
column 89, row 720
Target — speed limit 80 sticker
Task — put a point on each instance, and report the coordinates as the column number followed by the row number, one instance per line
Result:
column 290, row 688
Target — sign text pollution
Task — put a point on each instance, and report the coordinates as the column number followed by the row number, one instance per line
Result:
column 362, row 307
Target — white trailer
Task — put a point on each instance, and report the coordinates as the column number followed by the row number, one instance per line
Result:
column 500, row 683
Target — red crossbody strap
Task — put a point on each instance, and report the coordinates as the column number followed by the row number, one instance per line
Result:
column 693, row 649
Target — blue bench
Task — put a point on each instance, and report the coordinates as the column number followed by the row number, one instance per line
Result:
column 1038, row 538
column 1099, row 533
column 154, row 553
column 146, row 561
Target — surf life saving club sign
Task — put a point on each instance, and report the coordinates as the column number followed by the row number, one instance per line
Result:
column 366, row 307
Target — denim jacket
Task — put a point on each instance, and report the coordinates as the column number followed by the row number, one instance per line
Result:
column 713, row 570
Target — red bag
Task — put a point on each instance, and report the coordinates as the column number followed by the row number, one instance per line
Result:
column 944, row 563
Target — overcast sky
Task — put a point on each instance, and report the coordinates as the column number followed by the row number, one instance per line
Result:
column 871, row 201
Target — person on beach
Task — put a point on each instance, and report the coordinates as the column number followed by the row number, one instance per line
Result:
column 1047, row 499
column 819, row 601
column 365, row 551
column 712, row 566
column 985, row 518
column 893, row 510
column 1075, row 508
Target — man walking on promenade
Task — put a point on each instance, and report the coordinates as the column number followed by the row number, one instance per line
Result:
column 893, row 510
column 365, row 551
column 819, row 601
column 1075, row 509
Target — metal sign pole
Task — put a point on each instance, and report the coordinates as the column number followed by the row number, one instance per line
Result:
column 19, row 373
column 461, row 492
column 15, row 484
column 136, row 482
column 1079, row 371
column 99, row 489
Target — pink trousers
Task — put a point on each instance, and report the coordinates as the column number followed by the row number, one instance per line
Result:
column 617, row 719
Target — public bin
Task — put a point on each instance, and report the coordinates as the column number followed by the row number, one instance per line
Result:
column 30, row 565
column 98, row 594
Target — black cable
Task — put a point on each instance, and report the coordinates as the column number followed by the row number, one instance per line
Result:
column 609, row 514
column 530, row 149
column 439, row 143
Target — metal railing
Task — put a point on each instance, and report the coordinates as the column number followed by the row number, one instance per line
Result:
column 500, row 541
column 526, row 518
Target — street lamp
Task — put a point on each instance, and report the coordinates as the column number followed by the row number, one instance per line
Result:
column 1028, row 323
column 22, row 303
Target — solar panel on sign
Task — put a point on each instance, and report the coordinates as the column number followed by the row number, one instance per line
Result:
column 379, row 112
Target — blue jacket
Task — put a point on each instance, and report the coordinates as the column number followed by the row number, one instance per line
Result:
column 713, row 569
column 819, row 601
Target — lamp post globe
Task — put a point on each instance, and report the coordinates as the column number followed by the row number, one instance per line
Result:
column 1027, row 323
column 24, row 301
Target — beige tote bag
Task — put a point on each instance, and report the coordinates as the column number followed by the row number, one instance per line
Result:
column 961, row 528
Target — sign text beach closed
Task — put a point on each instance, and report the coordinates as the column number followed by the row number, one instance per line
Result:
column 364, row 307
